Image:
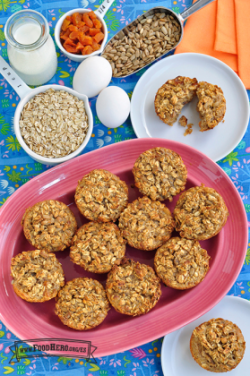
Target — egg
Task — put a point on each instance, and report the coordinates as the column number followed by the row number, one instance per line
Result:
column 113, row 106
column 92, row 76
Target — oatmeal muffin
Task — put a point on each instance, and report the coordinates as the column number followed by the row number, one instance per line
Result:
column 101, row 196
column 172, row 96
column 211, row 105
column 217, row 345
column 133, row 288
column 160, row 174
column 146, row 224
column 37, row 275
column 82, row 304
column 49, row 225
column 200, row 213
column 97, row 247
column 181, row 263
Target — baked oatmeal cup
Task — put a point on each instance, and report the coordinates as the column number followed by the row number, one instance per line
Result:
column 217, row 345
column 181, row 263
column 172, row 97
column 101, row 196
column 37, row 276
column 96, row 247
column 146, row 224
column 211, row 105
column 49, row 225
column 133, row 288
column 200, row 213
column 160, row 174
column 82, row 304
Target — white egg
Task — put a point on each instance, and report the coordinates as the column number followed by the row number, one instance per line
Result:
column 92, row 76
column 113, row 106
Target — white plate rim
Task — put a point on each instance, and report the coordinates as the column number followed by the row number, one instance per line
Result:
column 233, row 299
column 179, row 56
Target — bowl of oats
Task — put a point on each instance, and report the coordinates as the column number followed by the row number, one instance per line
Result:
column 53, row 124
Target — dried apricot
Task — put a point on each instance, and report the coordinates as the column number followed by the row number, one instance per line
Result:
column 65, row 24
column 87, row 50
column 76, row 18
column 97, row 24
column 87, row 20
column 99, row 37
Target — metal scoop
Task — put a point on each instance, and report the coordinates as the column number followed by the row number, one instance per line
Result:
column 179, row 18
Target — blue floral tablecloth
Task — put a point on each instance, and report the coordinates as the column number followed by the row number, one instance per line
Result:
column 16, row 168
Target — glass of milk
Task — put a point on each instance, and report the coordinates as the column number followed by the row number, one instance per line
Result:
column 31, row 50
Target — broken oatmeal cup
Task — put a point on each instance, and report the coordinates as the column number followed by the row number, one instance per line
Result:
column 172, row 97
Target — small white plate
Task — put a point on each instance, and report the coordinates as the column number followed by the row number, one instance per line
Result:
column 215, row 143
column 176, row 358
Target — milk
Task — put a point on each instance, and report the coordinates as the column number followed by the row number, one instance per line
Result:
column 35, row 66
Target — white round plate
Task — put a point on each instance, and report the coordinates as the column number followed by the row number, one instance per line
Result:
column 176, row 358
column 215, row 143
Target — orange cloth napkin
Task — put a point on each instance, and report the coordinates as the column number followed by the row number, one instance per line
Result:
column 222, row 30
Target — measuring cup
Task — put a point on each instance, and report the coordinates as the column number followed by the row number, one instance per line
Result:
column 180, row 18
column 25, row 94
column 100, row 12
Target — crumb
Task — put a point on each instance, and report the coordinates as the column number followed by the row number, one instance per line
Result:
column 183, row 121
column 189, row 129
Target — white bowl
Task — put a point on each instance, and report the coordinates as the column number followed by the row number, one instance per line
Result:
column 37, row 157
column 75, row 57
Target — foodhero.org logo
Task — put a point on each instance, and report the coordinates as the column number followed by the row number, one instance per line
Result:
column 38, row 348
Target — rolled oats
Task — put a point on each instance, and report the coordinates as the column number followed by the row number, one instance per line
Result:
column 82, row 304
column 54, row 123
column 200, row 213
column 37, row 275
column 181, row 263
column 160, row 174
column 211, row 105
column 143, row 35
column 172, row 96
column 217, row 345
column 49, row 225
column 97, row 247
column 101, row 196
column 133, row 288
column 146, row 224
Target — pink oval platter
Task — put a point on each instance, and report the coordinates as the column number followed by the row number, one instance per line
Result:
column 176, row 308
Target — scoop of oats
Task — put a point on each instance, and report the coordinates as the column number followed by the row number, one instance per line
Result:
column 37, row 275
column 96, row 247
column 211, row 105
column 172, row 96
column 133, row 288
column 160, row 174
column 217, row 345
column 146, row 224
column 200, row 213
column 181, row 263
